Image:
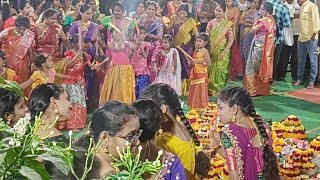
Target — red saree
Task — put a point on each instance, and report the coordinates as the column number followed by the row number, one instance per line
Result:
column 17, row 47
column 257, row 81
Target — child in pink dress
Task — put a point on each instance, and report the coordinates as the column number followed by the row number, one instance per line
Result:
column 139, row 61
column 170, row 70
column 119, row 82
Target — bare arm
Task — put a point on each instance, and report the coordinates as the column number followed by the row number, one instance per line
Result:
column 208, row 60
column 26, row 84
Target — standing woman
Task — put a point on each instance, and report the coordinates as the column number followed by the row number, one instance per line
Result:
column 178, row 136
column 154, row 30
column 140, row 9
column 221, row 39
column 173, row 7
column 236, row 66
column 259, row 67
column 48, row 36
column 87, row 32
column 247, row 19
column 246, row 139
column 17, row 44
column 118, row 20
column 22, row 8
column 183, row 29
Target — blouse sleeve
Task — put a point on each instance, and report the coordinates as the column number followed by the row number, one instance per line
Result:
column 229, row 152
column 209, row 26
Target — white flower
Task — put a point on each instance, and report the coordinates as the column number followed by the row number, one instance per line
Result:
column 21, row 126
column 140, row 148
column 70, row 133
column 160, row 152
column 127, row 143
column 14, row 142
column 51, row 133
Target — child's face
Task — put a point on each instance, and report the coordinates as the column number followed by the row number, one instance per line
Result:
column 49, row 63
column 200, row 43
column 182, row 14
column 140, row 8
column 166, row 44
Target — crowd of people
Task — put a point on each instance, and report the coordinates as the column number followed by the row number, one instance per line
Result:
column 129, row 62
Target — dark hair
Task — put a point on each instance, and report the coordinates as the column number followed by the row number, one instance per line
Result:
column 18, row 5
column 150, row 117
column 6, row 10
column 169, row 38
column 83, row 9
column 8, row 100
column 184, row 7
column 241, row 97
column 2, row 54
column 141, row 2
column 22, row 21
column 269, row 7
column 117, row 4
column 49, row 13
column 152, row 3
column 39, row 100
column 75, row 2
column 205, row 37
column 111, row 118
column 40, row 60
column 164, row 94
column 89, row 1
column 223, row 6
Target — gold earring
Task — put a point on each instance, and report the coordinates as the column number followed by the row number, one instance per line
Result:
column 233, row 118
column 57, row 112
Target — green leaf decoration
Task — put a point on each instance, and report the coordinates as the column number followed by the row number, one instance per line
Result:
column 11, row 86
column 29, row 173
column 39, row 168
column 2, row 157
column 58, row 162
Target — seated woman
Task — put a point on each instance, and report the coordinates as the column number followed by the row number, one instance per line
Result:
column 246, row 139
column 151, row 118
column 114, row 123
column 51, row 102
column 12, row 107
column 178, row 136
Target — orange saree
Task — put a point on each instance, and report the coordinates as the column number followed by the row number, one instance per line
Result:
column 17, row 46
column 259, row 67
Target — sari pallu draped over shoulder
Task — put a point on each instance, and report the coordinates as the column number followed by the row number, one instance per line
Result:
column 266, row 67
column 184, row 34
column 16, row 46
column 217, row 34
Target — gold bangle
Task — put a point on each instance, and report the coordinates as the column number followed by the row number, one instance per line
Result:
column 218, row 146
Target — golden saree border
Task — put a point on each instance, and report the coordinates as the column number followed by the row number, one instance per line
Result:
column 237, row 151
column 183, row 36
column 198, row 81
column 217, row 33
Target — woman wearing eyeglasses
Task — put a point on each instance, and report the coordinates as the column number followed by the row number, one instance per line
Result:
column 151, row 118
column 114, row 124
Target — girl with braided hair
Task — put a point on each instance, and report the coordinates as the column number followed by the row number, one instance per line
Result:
column 245, row 139
column 177, row 135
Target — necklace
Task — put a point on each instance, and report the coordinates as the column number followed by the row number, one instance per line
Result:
column 241, row 120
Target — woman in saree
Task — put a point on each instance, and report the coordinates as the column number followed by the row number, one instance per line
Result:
column 154, row 30
column 183, row 29
column 177, row 136
column 236, row 67
column 150, row 124
column 247, row 19
column 221, row 39
column 118, row 21
column 17, row 44
column 70, row 18
column 246, row 140
column 48, row 36
column 140, row 9
column 259, row 66
column 165, row 19
column 173, row 7
column 87, row 32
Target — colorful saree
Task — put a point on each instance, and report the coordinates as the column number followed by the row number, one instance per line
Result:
column 10, row 75
column 47, row 41
column 218, row 72
column 17, row 48
column 259, row 67
column 173, row 169
column 198, row 92
column 184, row 38
column 75, row 88
column 87, row 38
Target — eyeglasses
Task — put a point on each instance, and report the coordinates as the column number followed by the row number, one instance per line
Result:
column 132, row 138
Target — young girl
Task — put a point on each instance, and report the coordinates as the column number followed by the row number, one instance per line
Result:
column 139, row 61
column 45, row 73
column 170, row 70
column 119, row 82
column 75, row 86
column 198, row 91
